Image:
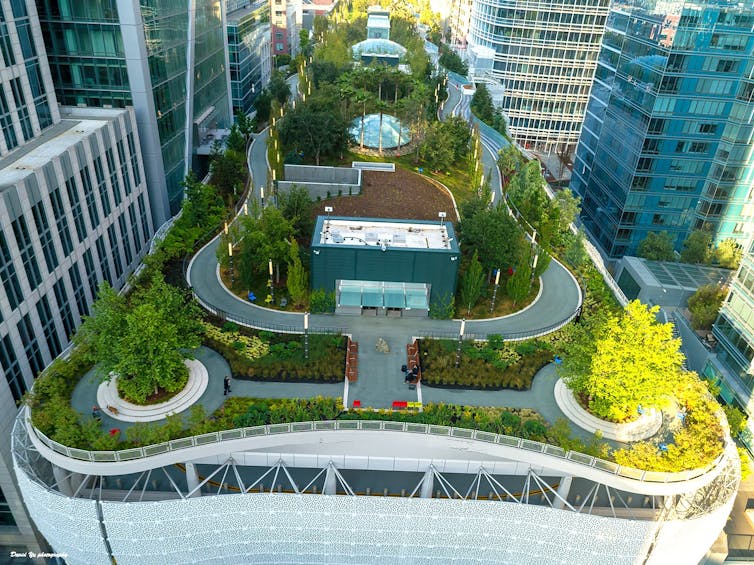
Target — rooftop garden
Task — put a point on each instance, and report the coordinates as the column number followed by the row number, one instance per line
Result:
column 615, row 360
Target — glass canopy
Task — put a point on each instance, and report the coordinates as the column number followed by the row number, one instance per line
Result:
column 377, row 294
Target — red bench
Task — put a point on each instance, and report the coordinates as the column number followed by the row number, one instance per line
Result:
column 400, row 404
column 357, row 403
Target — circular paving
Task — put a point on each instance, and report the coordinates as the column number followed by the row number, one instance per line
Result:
column 115, row 407
column 642, row 428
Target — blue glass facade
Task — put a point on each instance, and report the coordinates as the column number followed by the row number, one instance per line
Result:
column 248, row 52
column 666, row 140
column 188, row 86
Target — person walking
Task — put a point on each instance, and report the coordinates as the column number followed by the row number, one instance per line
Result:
column 226, row 385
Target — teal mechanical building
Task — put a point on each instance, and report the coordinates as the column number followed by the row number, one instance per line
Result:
column 384, row 267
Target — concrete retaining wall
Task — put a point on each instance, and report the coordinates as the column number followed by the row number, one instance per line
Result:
column 319, row 181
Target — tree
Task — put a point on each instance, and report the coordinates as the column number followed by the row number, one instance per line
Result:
column 481, row 104
column 729, row 253
column 526, row 191
column 704, row 305
column 316, row 126
column 451, row 61
column 263, row 105
column 472, row 282
column 493, row 232
column 697, row 247
column 437, row 151
column 519, row 283
column 246, row 124
column 509, row 160
column 575, row 253
column 569, row 206
column 297, row 280
column 278, row 87
column 262, row 239
column 319, row 27
column 297, row 207
column 657, row 247
column 141, row 339
column 621, row 362
column 228, row 170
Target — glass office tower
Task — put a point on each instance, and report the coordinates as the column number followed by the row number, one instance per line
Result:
column 249, row 51
column 666, row 142
column 166, row 59
column 545, row 56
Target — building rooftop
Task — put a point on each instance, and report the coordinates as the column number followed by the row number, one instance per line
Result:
column 239, row 10
column 371, row 232
column 680, row 275
column 77, row 124
column 375, row 46
column 378, row 21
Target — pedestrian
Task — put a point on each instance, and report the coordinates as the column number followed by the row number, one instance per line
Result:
column 226, row 385
column 96, row 413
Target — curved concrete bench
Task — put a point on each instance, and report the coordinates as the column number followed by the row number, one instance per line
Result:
column 107, row 397
column 644, row 427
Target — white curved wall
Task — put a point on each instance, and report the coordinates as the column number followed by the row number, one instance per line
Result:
column 313, row 529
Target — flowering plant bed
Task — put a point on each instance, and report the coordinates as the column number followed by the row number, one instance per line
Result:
column 492, row 365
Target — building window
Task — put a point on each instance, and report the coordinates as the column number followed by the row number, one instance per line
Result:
column 124, row 238
column 104, row 264
column 8, row 275
column 91, row 203
column 123, row 167
column 12, row 369
column 45, row 237
column 658, row 220
column 91, row 273
column 61, row 222
column 78, row 216
column 23, row 240
column 134, row 158
column 66, row 316
column 6, row 516
column 48, row 327
column 143, row 217
column 99, row 174
column 134, row 225
column 74, row 275
column 31, row 346
column 115, row 251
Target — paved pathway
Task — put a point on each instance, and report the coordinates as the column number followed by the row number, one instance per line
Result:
column 85, row 394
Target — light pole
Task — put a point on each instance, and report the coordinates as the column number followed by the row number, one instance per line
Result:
column 306, row 335
column 442, row 216
column 230, row 256
column 494, row 291
column 460, row 339
column 261, row 195
column 272, row 289
column 328, row 209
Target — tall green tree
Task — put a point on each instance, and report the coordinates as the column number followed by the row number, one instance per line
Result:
column 438, row 149
column 729, row 254
column 297, row 279
column 493, row 233
column 509, row 160
column 657, row 247
column 141, row 339
column 569, row 206
column 472, row 282
column 624, row 361
column 519, row 283
column 316, row 127
column 298, row 208
column 697, row 248
column 704, row 305
column 481, row 104
column 278, row 87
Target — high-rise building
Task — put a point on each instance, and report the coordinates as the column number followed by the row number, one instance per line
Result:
column 285, row 17
column 545, row 57
column 732, row 365
column 248, row 51
column 667, row 138
column 168, row 59
column 74, row 211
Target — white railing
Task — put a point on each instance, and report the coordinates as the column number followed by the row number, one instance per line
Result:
column 372, row 425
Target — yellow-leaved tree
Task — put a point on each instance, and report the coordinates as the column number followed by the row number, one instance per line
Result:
column 623, row 362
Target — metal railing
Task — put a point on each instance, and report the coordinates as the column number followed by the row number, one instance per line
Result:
column 372, row 425
column 270, row 327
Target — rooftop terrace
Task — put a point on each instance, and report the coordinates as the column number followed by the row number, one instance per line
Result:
column 391, row 233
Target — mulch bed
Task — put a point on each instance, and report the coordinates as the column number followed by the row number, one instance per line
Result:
column 399, row 195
